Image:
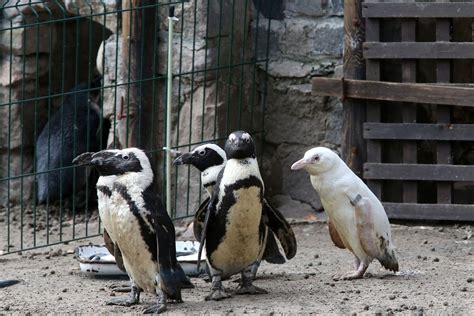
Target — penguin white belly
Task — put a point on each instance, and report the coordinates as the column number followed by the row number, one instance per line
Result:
column 240, row 245
column 136, row 257
column 342, row 215
column 103, row 202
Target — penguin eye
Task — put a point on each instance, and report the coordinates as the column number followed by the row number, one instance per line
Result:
column 247, row 140
column 125, row 157
column 202, row 152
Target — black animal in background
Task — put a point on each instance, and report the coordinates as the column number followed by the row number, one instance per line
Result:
column 73, row 129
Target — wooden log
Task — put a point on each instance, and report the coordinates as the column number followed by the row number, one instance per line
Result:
column 422, row 172
column 353, row 144
column 419, row 131
column 138, row 31
column 395, row 91
column 452, row 212
column 423, row 50
column 418, row 10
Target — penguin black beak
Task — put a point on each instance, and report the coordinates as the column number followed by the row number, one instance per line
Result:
column 184, row 159
column 83, row 159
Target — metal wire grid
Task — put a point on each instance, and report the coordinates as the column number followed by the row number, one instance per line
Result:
column 29, row 226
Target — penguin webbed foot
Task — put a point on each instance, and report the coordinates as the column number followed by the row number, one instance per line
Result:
column 155, row 309
column 354, row 275
column 217, row 295
column 123, row 301
column 250, row 289
column 160, row 307
column 246, row 287
column 218, row 291
column 130, row 300
column 120, row 288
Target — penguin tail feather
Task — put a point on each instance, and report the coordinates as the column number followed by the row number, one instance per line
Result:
column 169, row 284
column 388, row 259
column 181, row 277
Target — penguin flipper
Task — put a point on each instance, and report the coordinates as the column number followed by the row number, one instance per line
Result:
column 272, row 253
column 281, row 228
column 114, row 250
column 199, row 217
column 336, row 239
column 5, row 283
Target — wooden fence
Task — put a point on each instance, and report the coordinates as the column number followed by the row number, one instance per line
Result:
column 409, row 112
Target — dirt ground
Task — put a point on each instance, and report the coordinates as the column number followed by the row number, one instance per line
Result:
column 437, row 271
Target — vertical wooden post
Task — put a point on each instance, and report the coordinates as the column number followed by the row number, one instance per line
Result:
column 443, row 152
column 410, row 188
column 374, row 147
column 138, row 25
column 353, row 145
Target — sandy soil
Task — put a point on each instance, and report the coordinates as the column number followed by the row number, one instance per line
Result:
column 437, row 271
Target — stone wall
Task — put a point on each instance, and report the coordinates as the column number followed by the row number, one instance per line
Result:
column 306, row 40
column 37, row 60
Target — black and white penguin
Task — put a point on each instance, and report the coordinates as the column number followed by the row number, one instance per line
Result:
column 210, row 159
column 234, row 232
column 76, row 127
column 137, row 224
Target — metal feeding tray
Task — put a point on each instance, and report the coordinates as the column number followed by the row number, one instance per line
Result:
column 97, row 260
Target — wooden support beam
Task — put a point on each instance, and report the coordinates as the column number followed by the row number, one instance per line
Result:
column 395, row 91
column 410, row 188
column 451, row 212
column 374, row 147
column 353, row 144
column 419, row 50
column 443, row 74
column 422, row 172
column 419, row 131
column 418, row 10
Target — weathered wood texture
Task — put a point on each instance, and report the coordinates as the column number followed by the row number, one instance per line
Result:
column 443, row 74
column 414, row 211
column 419, row 131
column 410, row 188
column 415, row 50
column 374, row 147
column 138, row 37
column 395, row 91
column 353, row 144
column 417, row 10
column 422, row 172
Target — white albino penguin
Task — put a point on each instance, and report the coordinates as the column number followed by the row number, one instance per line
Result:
column 357, row 219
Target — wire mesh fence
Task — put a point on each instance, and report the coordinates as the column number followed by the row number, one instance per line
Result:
column 81, row 76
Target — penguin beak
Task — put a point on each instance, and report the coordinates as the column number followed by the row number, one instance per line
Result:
column 184, row 159
column 83, row 159
column 300, row 164
column 101, row 158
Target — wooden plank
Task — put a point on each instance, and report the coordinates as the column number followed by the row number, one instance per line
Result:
column 423, row 172
column 452, row 212
column 353, row 144
column 443, row 74
column 418, row 10
column 374, row 147
column 410, row 188
column 395, row 91
column 420, row 50
column 419, row 131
